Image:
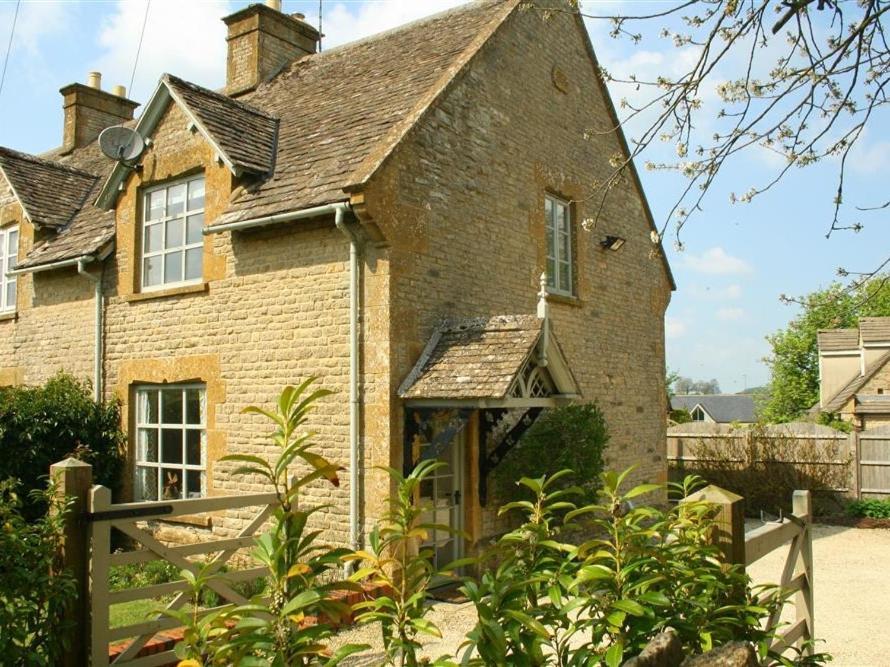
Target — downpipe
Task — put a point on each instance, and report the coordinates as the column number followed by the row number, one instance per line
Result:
column 99, row 303
column 354, row 295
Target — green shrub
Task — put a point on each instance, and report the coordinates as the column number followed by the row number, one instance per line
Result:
column 34, row 592
column 873, row 509
column 40, row 426
column 572, row 437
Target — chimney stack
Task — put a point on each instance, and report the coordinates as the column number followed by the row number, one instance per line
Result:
column 261, row 41
column 89, row 110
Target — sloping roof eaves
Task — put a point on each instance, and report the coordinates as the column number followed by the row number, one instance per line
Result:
column 723, row 408
column 838, row 340
column 875, row 329
column 50, row 193
column 344, row 111
column 477, row 358
column 840, row 399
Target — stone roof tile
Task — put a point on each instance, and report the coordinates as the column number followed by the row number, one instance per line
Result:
column 838, row 340
column 49, row 192
column 477, row 358
column 245, row 134
column 875, row 329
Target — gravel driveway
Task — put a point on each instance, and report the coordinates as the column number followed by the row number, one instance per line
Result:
column 852, row 592
column 852, row 601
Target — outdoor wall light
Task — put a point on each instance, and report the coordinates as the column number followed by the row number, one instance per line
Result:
column 612, row 242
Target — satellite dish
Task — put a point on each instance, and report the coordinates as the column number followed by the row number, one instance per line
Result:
column 122, row 144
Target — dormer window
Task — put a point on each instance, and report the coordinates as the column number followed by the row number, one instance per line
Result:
column 172, row 240
column 698, row 415
column 9, row 250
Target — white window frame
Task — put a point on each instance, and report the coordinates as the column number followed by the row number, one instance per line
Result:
column 557, row 226
column 8, row 261
column 184, row 247
column 143, row 426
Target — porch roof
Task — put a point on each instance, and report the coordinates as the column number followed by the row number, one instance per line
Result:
column 484, row 360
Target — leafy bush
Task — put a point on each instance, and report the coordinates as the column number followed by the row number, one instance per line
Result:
column 766, row 467
column 553, row 603
column 40, row 426
column 301, row 571
column 873, row 509
column 34, row 592
column 572, row 437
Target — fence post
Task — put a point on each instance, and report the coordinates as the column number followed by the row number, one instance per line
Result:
column 73, row 480
column 100, row 539
column 857, row 466
column 802, row 504
column 730, row 521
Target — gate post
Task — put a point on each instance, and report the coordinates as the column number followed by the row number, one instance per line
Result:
column 730, row 521
column 73, row 481
column 802, row 503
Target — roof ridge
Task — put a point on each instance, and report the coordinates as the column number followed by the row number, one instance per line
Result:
column 45, row 162
column 175, row 80
column 467, row 7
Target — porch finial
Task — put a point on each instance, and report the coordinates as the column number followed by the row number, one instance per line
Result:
column 543, row 314
column 543, row 304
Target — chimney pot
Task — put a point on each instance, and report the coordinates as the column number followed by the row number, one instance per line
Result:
column 299, row 15
column 94, row 80
column 119, row 91
column 261, row 41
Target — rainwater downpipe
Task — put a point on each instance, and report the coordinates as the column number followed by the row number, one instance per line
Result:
column 97, row 353
column 354, row 474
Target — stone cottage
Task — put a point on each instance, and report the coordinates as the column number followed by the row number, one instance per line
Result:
column 854, row 372
column 378, row 215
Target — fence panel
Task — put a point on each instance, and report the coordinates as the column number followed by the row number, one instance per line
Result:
column 127, row 517
column 874, row 463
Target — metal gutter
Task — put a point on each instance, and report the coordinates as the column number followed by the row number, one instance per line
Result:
column 97, row 345
column 61, row 264
column 312, row 212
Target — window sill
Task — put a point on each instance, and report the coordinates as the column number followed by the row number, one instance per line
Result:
column 9, row 316
column 564, row 299
column 164, row 293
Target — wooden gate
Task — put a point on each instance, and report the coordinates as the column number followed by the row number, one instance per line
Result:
column 126, row 517
column 874, row 463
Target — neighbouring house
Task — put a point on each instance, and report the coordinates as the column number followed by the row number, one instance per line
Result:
column 854, row 373
column 716, row 408
column 378, row 215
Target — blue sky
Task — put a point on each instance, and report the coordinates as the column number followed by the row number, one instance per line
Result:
column 737, row 259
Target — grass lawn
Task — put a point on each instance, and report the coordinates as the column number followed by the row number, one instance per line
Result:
column 136, row 611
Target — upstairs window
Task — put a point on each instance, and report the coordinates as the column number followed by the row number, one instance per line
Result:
column 171, row 449
column 172, row 241
column 698, row 415
column 558, row 219
column 9, row 250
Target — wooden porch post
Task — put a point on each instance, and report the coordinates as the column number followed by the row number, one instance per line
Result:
column 730, row 519
column 73, row 480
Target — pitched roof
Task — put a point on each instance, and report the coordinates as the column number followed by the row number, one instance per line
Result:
column 723, row 408
column 837, row 340
column 244, row 134
column 50, row 193
column 476, row 358
column 344, row 110
column 839, row 400
column 875, row 329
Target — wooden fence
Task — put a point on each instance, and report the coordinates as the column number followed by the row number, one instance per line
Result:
column 861, row 460
column 88, row 554
column 746, row 549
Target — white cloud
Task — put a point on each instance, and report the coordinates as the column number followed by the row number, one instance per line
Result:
column 345, row 22
column 36, row 21
column 730, row 314
column 674, row 327
column 716, row 261
column 187, row 39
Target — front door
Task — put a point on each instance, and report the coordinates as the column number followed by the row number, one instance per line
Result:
column 442, row 491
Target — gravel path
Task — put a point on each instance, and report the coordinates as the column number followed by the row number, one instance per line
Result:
column 852, row 592
column 852, row 601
